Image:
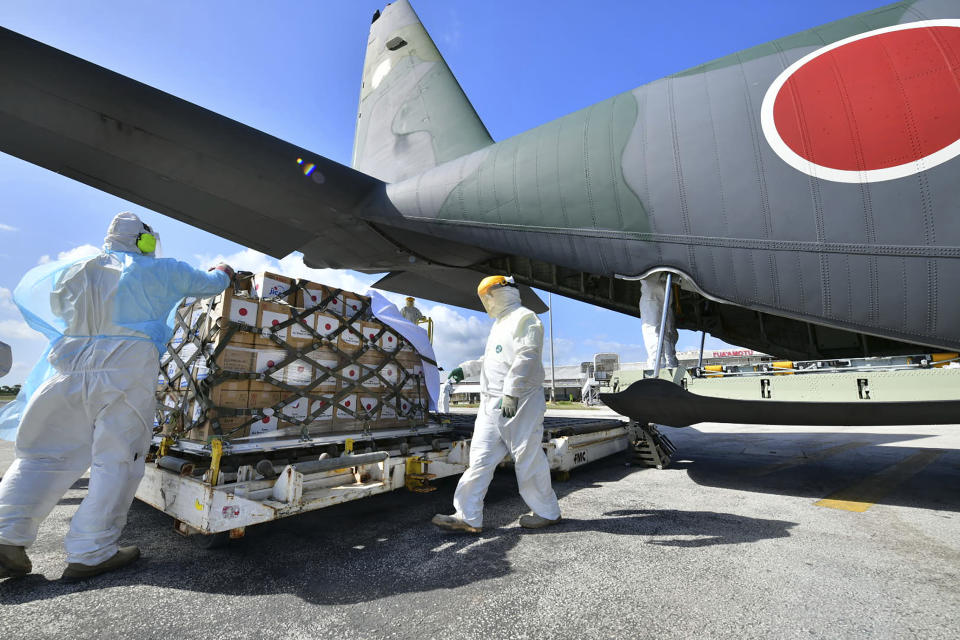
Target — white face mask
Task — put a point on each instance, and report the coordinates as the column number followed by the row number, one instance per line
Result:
column 500, row 299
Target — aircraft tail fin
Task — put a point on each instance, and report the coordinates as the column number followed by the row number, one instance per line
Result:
column 413, row 114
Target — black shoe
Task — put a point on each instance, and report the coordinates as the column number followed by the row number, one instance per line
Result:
column 14, row 562
column 79, row 571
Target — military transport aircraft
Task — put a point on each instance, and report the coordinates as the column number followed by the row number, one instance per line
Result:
column 806, row 191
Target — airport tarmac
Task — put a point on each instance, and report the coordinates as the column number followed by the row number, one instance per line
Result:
column 752, row 532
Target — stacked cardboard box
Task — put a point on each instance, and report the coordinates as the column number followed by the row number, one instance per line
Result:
column 278, row 357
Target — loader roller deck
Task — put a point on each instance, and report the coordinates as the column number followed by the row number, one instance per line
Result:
column 221, row 489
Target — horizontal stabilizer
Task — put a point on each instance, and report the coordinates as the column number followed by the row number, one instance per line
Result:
column 457, row 287
column 662, row 402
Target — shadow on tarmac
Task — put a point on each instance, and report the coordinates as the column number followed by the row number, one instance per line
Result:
column 816, row 465
column 711, row 528
column 384, row 545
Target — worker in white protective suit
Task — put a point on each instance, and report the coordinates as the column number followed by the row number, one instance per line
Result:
column 446, row 391
column 90, row 401
column 510, row 416
column 586, row 391
column 653, row 292
column 410, row 312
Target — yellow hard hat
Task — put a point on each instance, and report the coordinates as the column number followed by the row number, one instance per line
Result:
column 410, row 298
column 490, row 282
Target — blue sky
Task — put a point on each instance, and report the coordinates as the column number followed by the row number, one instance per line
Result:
column 292, row 69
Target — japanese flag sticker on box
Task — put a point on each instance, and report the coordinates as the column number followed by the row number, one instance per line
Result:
column 346, row 406
column 311, row 294
column 296, row 410
column 299, row 332
column 405, row 407
column 264, row 425
column 353, row 304
column 325, row 325
column 271, row 315
column 268, row 358
column 336, row 305
column 370, row 332
column 240, row 310
column 369, row 407
column 351, row 372
column 388, row 342
column 350, row 337
column 298, row 373
column 268, row 285
column 390, row 372
column 321, row 410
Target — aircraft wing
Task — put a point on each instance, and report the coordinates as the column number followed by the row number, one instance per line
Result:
column 149, row 147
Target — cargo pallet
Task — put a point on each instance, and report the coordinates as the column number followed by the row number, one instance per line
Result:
column 216, row 505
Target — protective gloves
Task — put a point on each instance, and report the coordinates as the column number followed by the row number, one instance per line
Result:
column 508, row 406
column 456, row 375
column 223, row 266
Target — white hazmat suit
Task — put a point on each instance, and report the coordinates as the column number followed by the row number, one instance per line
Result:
column 511, row 366
column 653, row 292
column 446, row 391
column 94, row 398
column 411, row 312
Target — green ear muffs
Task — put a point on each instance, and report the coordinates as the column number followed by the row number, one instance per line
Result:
column 146, row 242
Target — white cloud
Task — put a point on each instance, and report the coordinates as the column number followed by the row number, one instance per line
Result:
column 291, row 266
column 453, row 33
column 6, row 227
column 457, row 337
column 6, row 300
column 18, row 330
column 71, row 254
column 78, row 252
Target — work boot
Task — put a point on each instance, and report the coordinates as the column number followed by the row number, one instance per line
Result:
column 533, row 521
column 453, row 523
column 80, row 571
column 14, row 561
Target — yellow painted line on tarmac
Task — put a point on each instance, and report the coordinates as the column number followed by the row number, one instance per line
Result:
column 872, row 489
column 796, row 461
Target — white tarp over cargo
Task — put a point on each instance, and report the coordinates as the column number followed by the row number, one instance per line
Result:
column 388, row 313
